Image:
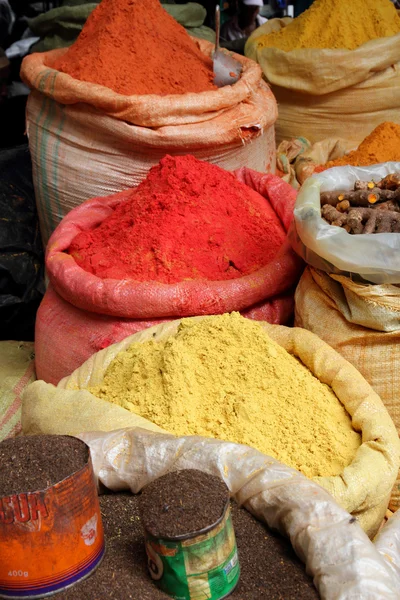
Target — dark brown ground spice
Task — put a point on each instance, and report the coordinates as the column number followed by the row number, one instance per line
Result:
column 270, row 569
column 33, row 463
column 182, row 503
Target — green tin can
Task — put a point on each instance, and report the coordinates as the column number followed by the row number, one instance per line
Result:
column 201, row 566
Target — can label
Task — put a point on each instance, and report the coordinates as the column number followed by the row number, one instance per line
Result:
column 205, row 567
column 50, row 539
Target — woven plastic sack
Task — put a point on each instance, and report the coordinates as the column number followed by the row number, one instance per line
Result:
column 374, row 258
column 88, row 141
column 344, row 563
column 17, row 370
column 363, row 488
column 362, row 322
column 82, row 313
column 331, row 93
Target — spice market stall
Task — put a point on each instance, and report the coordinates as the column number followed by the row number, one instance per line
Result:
column 166, row 376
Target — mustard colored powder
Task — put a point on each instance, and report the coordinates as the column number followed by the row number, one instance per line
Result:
column 340, row 24
column 382, row 145
column 223, row 377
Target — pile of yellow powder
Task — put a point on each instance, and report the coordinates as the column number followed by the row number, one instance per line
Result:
column 223, row 377
column 336, row 24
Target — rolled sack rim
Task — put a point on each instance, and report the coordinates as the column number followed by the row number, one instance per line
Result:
column 236, row 126
column 135, row 299
column 333, row 69
column 37, row 73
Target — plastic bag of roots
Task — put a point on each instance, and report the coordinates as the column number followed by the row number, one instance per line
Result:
column 347, row 222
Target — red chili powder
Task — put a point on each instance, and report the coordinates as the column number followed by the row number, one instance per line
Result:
column 136, row 47
column 188, row 220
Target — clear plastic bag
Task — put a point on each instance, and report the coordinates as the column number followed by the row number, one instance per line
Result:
column 373, row 258
column 344, row 563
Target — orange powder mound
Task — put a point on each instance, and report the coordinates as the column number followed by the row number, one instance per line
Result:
column 382, row 145
column 136, row 47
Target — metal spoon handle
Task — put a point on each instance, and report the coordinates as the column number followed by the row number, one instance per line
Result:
column 217, row 26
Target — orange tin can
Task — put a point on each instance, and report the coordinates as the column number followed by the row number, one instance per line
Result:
column 50, row 539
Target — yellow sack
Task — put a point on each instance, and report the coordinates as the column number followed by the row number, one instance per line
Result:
column 17, row 370
column 363, row 488
column 331, row 93
column 362, row 322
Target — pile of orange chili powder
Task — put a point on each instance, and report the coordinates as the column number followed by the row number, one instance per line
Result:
column 136, row 47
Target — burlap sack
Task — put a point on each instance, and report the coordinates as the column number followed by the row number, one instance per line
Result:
column 87, row 141
column 362, row 322
column 81, row 313
column 331, row 93
column 17, row 370
column 363, row 488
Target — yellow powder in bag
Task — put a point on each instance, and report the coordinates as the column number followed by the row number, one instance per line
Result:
column 345, row 24
column 223, row 377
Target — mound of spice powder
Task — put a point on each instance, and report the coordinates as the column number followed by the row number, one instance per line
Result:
column 224, row 377
column 136, row 47
column 381, row 145
column 187, row 220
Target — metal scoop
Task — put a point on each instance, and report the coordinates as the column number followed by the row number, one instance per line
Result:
column 227, row 70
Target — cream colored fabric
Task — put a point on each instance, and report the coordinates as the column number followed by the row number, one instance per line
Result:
column 17, row 370
column 362, row 322
column 364, row 486
column 331, row 93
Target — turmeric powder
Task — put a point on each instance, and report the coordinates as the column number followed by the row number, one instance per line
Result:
column 223, row 377
column 336, row 24
column 382, row 145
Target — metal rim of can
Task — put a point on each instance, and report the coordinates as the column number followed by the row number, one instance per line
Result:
column 188, row 536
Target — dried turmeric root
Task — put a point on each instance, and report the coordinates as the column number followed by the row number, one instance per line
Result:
column 333, row 216
column 360, row 197
column 363, row 220
column 390, row 182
